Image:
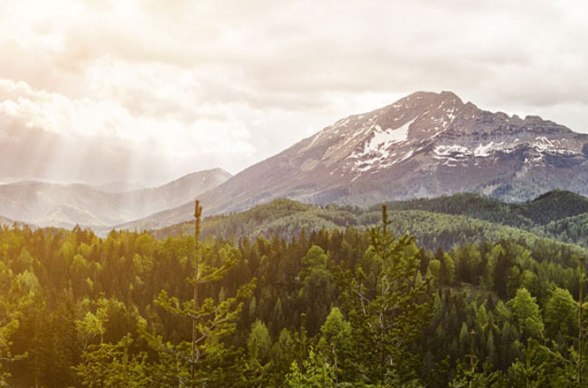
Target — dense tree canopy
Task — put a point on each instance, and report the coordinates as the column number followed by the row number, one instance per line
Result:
column 326, row 307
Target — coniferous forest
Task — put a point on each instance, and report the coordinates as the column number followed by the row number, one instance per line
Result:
column 293, row 194
column 347, row 307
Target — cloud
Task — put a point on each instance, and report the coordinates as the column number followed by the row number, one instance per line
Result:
column 222, row 83
column 50, row 136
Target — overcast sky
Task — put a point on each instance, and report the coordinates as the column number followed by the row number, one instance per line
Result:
column 148, row 90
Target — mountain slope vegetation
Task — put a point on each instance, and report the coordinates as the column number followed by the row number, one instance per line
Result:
column 307, row 310
column 438, row 222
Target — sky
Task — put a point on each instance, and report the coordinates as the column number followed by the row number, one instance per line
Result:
column 146, row 91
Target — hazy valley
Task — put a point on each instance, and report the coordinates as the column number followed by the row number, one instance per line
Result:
column 66, row 205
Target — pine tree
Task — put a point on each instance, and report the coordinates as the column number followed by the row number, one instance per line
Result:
column 388, row 305
column 317, row 289
column 16, row 293
column 112, row 365
column 209, row 358
column 313, row 373
column 335, row 345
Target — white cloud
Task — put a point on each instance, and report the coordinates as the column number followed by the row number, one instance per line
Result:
column 223, row 83
column 97, row 133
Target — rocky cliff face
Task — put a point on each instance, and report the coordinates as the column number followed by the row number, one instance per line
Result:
column 431, row 144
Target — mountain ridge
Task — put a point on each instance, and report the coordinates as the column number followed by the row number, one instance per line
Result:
column 65, row 205
column 423, row 145
column 479, row 216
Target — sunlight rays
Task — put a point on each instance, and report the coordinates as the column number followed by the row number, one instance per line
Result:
column 102, row 141
column 194, row 85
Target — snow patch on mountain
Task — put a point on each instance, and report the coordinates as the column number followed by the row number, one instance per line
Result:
column 454, row 150
column 383, row 139
column 544, row 145
column 480, row 151
column 451, row 155
column 485, row 150
column 380, row 150
column 408, row 155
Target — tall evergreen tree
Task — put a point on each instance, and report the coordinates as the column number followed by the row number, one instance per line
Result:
column 388, row 303
column 210, row 359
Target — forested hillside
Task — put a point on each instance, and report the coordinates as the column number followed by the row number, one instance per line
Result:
column 326, row 308
column 438, row 222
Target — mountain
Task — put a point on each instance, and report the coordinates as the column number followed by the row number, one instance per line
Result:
column 556, row 205
column 120, row 187
column 65, row 205
column 424, row 145
column 5, row 221
column 438, row 222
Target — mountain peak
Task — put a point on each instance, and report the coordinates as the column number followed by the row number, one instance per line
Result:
column 427, row 100
column 197, row 178
column 426, row 134
column 221, row 172
column 429, row 123
column 423, row 145
column 433, row 96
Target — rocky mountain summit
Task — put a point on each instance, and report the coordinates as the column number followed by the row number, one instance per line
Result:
column 432, row 144
column 424, row 145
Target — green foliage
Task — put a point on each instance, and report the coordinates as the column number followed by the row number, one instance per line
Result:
column 388, row 305
column 259, row 343
column 260, row 353
column 561, row 316
column 314, row 373
column 111, row 365
column 213, row 320
column 442, row 221
column 16, row 293
column 555, row 205
column 335, row 345
column 571, row 229
column 526, row 315
column 468, row 375
column 317, row 287
column 453, row 299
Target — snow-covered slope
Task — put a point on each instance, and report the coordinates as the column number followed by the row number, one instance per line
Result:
column 426, row 144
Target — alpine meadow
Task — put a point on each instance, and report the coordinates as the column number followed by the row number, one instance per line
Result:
column 293, row 194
